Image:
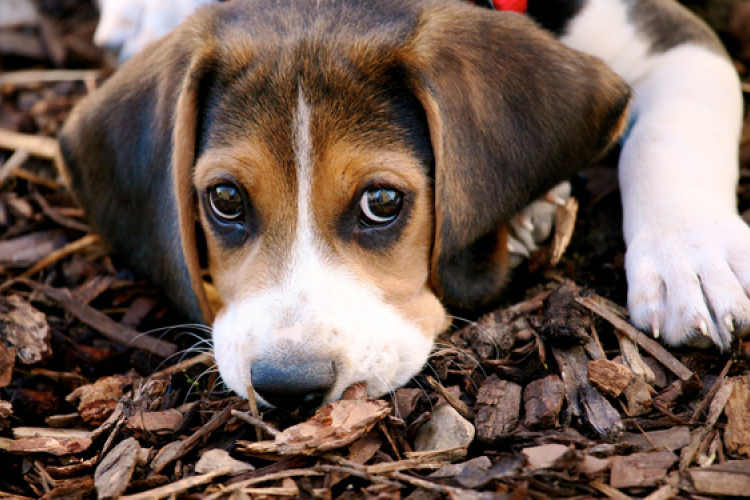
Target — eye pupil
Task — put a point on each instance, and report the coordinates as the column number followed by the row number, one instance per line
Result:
column 380, row 206
column 226, row 201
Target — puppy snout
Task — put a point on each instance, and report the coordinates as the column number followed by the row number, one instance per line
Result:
column 291, row 381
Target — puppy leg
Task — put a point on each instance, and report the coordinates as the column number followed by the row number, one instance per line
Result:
column 688, row 251
column 533, row 225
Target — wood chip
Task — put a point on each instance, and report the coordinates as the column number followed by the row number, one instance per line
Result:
column 333, row 426
column 565, row 222
column 50, row 445
column 405, row 402
column 737, row 431
column 54, row 75
column 114, row 472
column 25, row 329
column 30, row 432
column 25, row 250
column 672, row 439
column 36, row 145
column 498, row 408
column 160, row 423
column 729, row 479
column 6, row 411
column 565, row 322
column 638, row 397
column 97, row 401
column 543, row 400
column 490, row 337
column 355, row 391
column 609, row 377
column 7, row 364
column 640, row 469
column 633, row 359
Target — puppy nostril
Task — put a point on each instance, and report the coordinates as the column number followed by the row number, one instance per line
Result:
column 293, row 383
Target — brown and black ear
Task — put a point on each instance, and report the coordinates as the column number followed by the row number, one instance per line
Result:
column 127, row 152
column 511, row 113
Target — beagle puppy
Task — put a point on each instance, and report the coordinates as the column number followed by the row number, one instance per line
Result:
column 346, row 171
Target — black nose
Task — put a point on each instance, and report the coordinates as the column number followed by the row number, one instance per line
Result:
column 294, row 382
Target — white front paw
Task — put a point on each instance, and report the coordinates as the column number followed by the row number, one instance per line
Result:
column 689, row 282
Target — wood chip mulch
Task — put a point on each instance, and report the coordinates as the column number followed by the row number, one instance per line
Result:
column 104, row 394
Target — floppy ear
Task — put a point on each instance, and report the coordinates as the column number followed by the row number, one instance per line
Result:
column 511, row 113
column 128, row 151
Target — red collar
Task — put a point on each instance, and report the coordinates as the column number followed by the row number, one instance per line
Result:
column 512, row 5
column 509, row 5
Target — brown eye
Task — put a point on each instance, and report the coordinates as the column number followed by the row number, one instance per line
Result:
column 380, row 206
column 226, row 202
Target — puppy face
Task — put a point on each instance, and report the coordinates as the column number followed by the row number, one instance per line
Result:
column 318, row 212
column 352, row 166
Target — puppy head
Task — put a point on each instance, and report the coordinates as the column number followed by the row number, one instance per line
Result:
column 351, row 168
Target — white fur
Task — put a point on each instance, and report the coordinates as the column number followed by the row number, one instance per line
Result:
column 130, row 25
column 688, row 251
column 320, row 306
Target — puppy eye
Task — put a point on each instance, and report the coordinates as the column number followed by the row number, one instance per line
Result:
column 226, row 202
column 380, row 206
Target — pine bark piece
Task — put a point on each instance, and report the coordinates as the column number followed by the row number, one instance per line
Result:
column 490, row 337
column 583, row 399
column 737, row 432
column 638, row 397
column 53, row 446
column 498, row 408
column 333, row 426
column 543, row 401
column 6, row 411
column 640, row 469
column 672, row 439
column 609, row 377
column 22, row 326
column 114, row 472
column 565, row 321
column 161, row 423
column 632, row 358
column 7, row 364
column 24, row 251
column 729, row 479
column 97, row 401
column 406, row 401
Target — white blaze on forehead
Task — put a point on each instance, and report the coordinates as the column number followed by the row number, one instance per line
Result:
column 303, row 151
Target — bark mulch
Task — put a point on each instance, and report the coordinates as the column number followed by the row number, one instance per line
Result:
column 104, row 393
